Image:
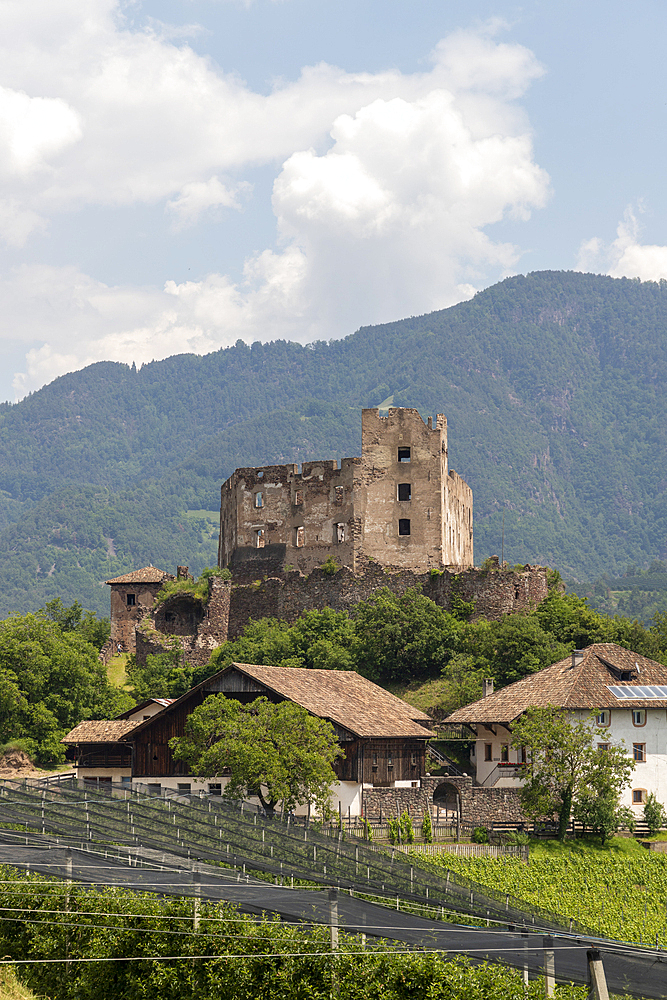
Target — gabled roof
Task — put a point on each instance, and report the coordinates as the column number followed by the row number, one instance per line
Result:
column 165, row 702
column 584, row 685
column 149, row 574
column 102, row 731
column 344, row 697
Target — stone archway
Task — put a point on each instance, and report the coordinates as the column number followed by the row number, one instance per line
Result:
column 447, row 800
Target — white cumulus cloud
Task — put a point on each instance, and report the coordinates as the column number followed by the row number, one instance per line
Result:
column 385, row 183
column 626, row 256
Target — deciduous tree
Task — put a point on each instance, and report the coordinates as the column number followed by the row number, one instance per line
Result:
column 280, row 753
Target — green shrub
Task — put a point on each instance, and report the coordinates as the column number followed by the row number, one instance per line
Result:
column 394, row 831
column 407, row 832
column 480, row 835
column 368, row 831
column 654, row 815
column 330, row 566
column 427, row 828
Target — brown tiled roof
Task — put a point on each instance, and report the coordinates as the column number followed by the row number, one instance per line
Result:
column 583, row 686
column 149, row 574
column 102, row 731
column 344, row 697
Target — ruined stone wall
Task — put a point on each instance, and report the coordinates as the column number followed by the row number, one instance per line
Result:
column 495, row 594
column 278, row 517
column 198, row 631
column 458, row 522
column 124, row 617
column 401, row 488
column 479, row 806
column 397, row 504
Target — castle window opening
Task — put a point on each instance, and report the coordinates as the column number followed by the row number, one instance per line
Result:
column 403, row 526
column 260, row 474
column 405, row 491
column 404, row 454
column 298, row 498
column 340, row 533
column 260, row 540
column 169, row 616
column 131, row 600
column 259, row 499
column 300, row 537
column 339, row 494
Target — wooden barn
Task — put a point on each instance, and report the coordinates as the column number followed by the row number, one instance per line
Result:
column 383, row 738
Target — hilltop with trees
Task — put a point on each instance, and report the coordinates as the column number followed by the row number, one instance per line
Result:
column 551, row 384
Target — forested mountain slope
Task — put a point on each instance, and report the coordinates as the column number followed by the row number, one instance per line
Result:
column 552, row 383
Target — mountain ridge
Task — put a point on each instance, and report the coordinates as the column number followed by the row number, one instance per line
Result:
column 550, row 383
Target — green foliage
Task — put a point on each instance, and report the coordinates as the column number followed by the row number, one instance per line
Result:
column 608, row 889
column 654, row 815
column 511, row 648
column 564, row 767
column 94, row 630
column 407, row 831
column 368, row 831
column 402, row 637
column 49, row 681
column 394, row 830
column 255, row 958
column 280, row 753
column 480, row 835
column 427, row 828
column 164, row 675
column 330, row 566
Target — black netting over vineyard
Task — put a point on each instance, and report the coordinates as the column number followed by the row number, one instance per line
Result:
column 212, row 829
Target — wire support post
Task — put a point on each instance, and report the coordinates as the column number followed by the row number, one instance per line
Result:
column 549, row 966
column 597, row 981
column 333, row 917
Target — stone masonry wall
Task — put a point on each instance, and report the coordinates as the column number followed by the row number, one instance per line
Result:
column 479, row 806
column 495, row 593
column 209, row 633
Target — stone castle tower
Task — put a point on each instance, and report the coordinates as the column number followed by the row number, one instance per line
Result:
column 398, row 505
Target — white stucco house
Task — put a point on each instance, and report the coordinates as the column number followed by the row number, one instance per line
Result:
column 626, row 691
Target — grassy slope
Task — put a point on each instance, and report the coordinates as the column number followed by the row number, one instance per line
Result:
column 11, row 988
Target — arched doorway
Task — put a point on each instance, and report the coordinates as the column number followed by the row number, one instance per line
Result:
column 447, row 802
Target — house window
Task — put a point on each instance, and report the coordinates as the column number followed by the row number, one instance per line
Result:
column 404, row 454
column 340, row 533
column 524, row 756
column 602, row 747
column 602, row 718
column 639, row 717
column 215, row 789
column 259, row 499
column 300, row 537
column 405, row 491
column 298, row 498
column 413, row 759
column 375, row 760
column 339, row 494
column 638, row 796
column 184, row 788
column 131, row 600
column 155, row 789
column 639, row 752
column 260, row 539
column 488, row 751
column 505, row 753
column 403, row 526
column 390, row 760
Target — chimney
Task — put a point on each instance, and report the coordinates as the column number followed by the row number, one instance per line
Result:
column 577, row 657
column 487, row 687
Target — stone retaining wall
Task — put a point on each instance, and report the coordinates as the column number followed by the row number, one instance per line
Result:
column 479, row 806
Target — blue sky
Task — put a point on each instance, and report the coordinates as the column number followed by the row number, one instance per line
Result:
column 178, row 174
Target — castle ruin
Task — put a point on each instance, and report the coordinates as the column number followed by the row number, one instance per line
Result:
column 398, row 505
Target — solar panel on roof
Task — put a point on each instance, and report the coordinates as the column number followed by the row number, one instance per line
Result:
column 630, row 692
